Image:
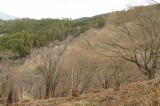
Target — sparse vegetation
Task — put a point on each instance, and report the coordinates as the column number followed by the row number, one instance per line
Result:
column 82, row 62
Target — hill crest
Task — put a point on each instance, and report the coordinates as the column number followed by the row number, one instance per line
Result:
column 4, row 16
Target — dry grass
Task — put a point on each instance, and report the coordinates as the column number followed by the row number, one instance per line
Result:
column 145, row 93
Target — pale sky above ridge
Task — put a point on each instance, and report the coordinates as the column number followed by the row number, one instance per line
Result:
column 63, row 8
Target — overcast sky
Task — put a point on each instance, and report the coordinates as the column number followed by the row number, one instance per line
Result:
column 63, row 8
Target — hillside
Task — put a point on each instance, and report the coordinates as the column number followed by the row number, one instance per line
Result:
column 111, row 59
column 23, row 35
column 4, row 16
column 134, row 94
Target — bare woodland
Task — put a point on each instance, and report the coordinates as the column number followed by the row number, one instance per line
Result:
column 131, row 55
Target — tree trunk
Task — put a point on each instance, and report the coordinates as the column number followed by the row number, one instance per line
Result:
column 47, row 90
column 9, row 100
column 117, row 85
column 40, row 93
column 106, row 85
column 151, row 74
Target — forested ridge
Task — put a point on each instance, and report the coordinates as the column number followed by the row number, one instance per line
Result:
column 18, row 37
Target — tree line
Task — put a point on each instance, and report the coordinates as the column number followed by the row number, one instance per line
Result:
column 20, row 36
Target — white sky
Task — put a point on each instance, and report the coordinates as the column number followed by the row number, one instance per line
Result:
column 63, row 8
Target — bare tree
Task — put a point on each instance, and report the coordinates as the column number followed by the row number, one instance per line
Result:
column 4, row 78
column 9, row 99
column 137, row 40
column 39, row 86
column 81, row 70
column 114, row 72
column 65, row 85
column 52, row 60
column 119, row 72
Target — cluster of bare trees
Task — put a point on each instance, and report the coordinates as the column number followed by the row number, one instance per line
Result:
column 136, row 39
column 51, row 67
column 56, row 76
column 62, row 70
column 141, row 44
column 134, row 46
column 64, row 74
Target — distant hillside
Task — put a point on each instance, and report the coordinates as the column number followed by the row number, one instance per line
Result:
column 40, row 32
column 4, row 16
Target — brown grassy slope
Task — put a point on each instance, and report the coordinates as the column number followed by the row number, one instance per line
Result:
column 145, row 93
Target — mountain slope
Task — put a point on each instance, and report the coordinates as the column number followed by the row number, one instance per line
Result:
column 4, row 16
